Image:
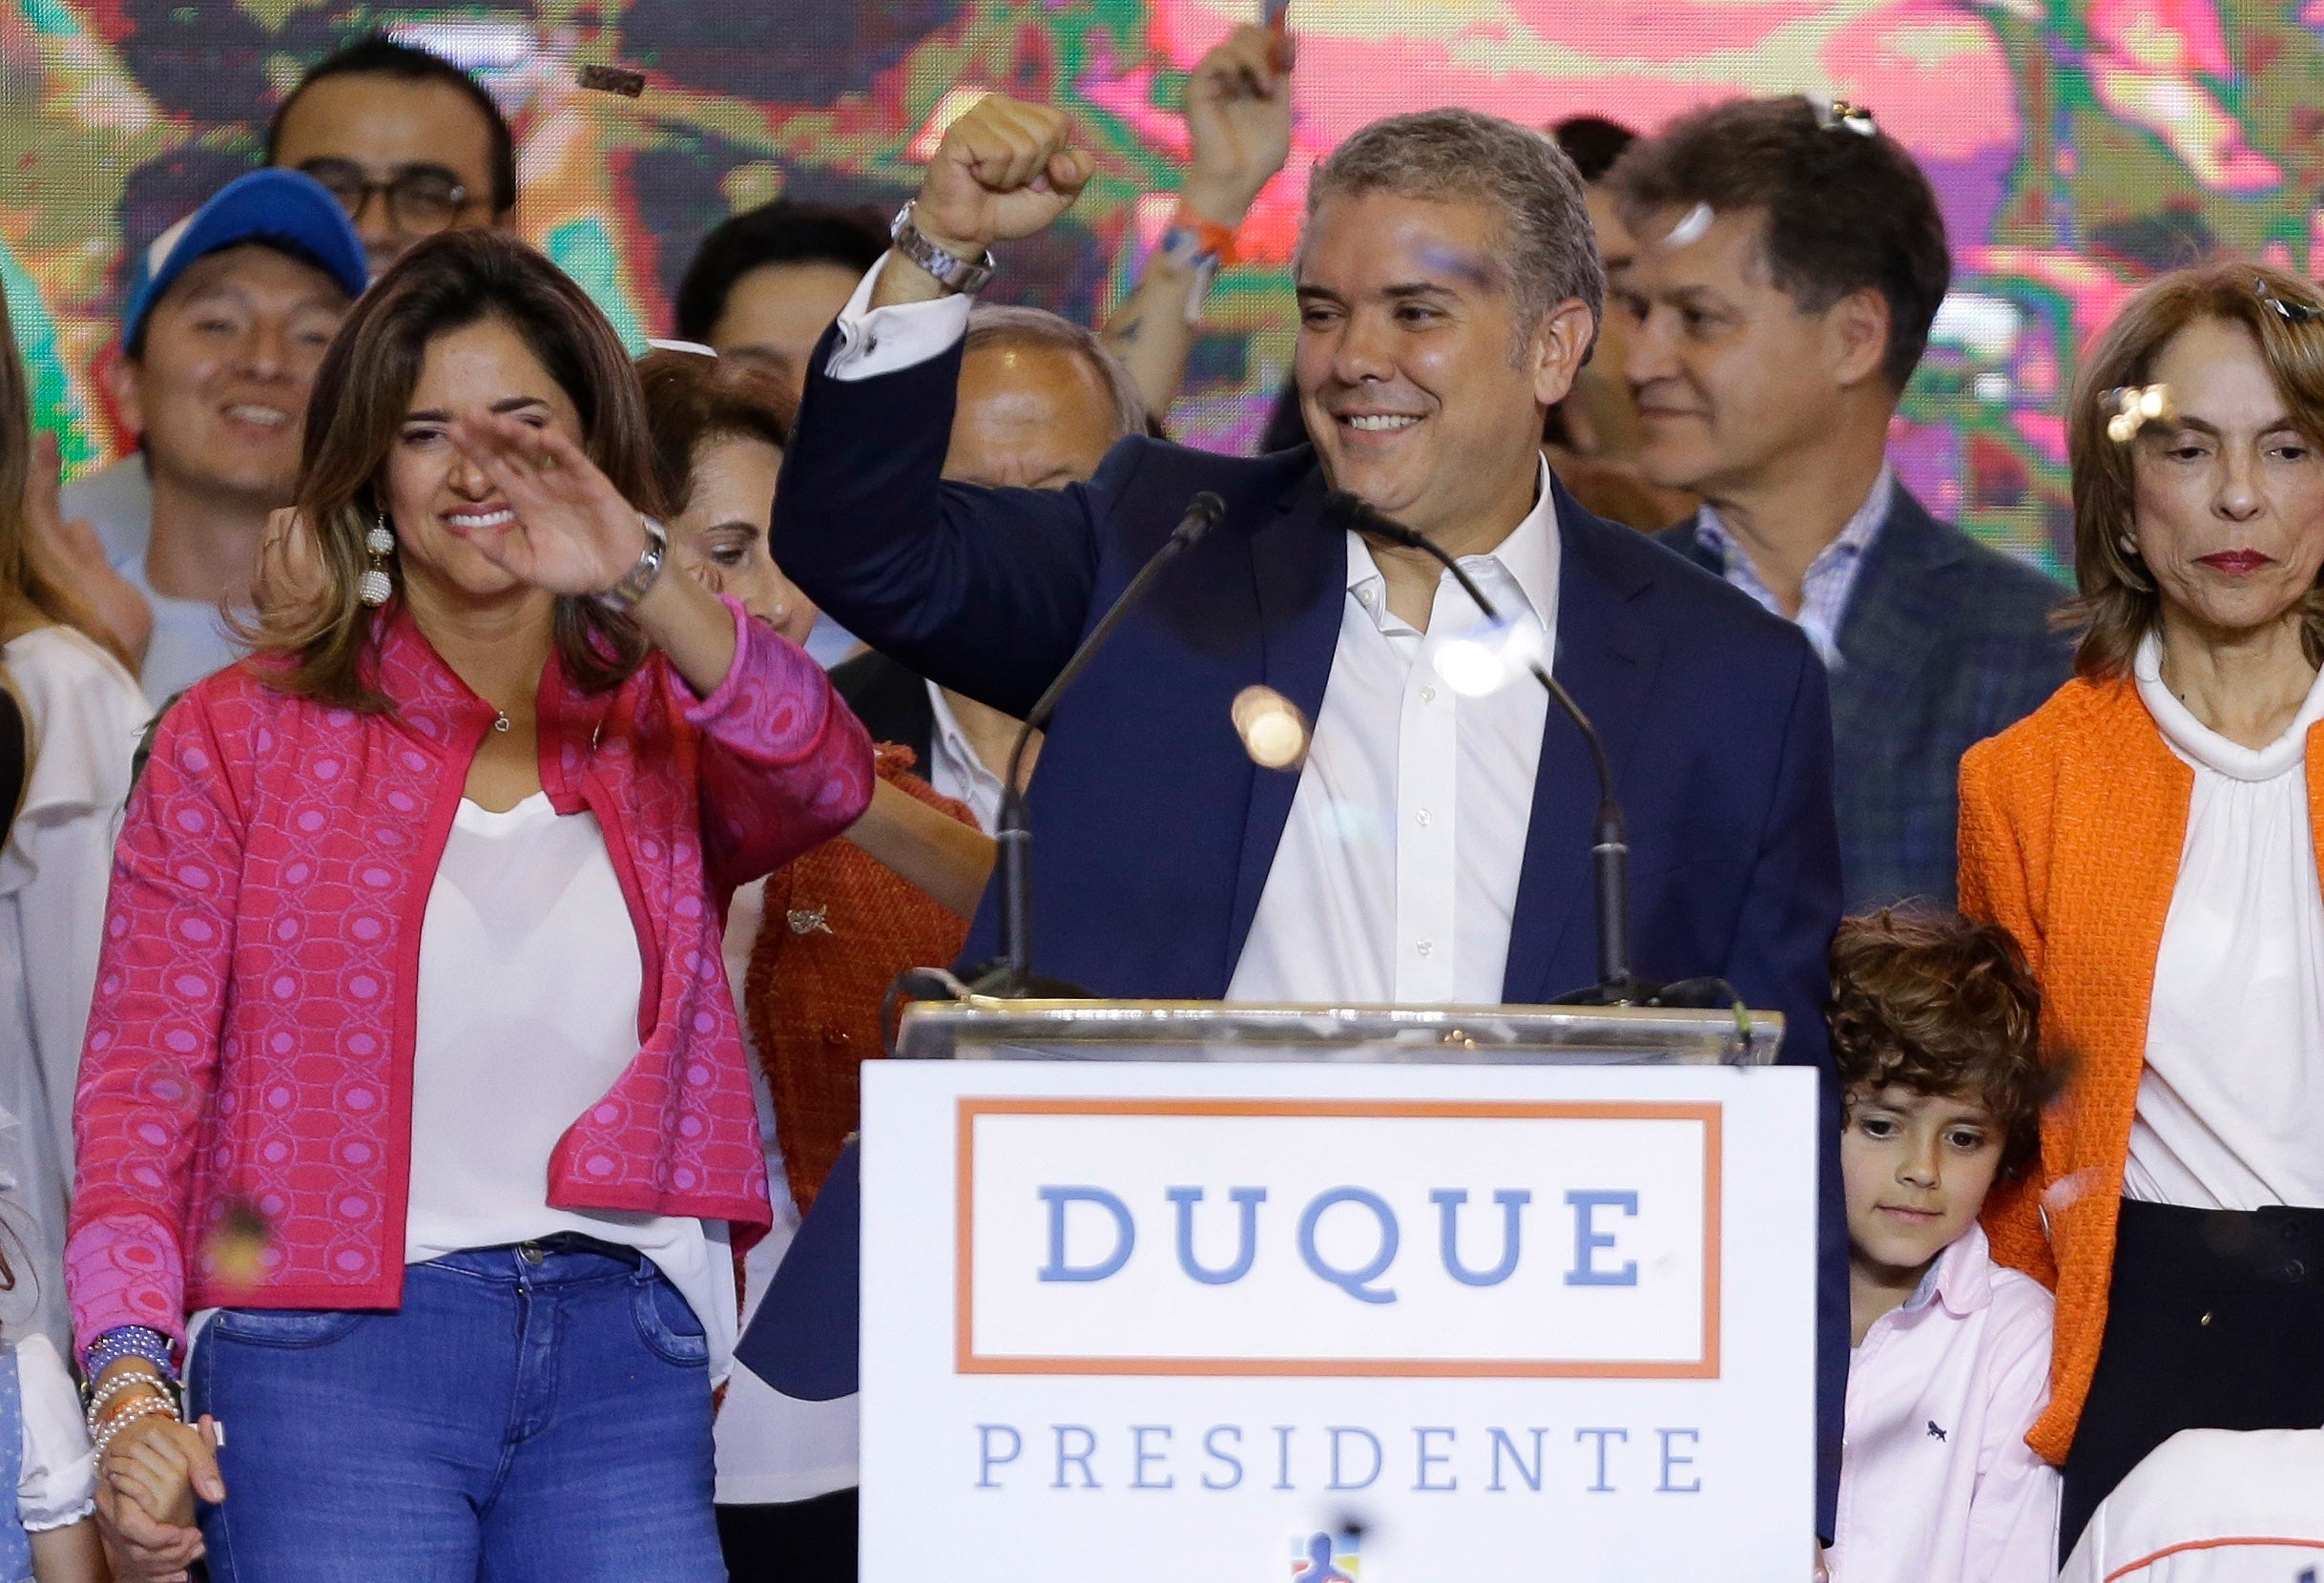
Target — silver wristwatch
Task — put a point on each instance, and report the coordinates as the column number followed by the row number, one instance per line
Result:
column 955, row 273
column 624, row 594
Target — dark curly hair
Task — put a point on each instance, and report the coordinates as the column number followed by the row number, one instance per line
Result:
column 1934, row 1002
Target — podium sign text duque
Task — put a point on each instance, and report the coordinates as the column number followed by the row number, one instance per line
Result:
column 1402, row 1322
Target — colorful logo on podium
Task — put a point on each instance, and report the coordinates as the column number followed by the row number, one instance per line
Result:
column 1326, row 1557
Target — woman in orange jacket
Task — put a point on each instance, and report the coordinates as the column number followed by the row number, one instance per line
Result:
column 2151, row 837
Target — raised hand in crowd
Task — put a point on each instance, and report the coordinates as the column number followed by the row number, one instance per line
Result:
column 573, row 534
column 79, row 555
column 1005, row 170
column 1239, row 121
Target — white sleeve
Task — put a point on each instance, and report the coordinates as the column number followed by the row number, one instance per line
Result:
column 2013, row 1517
column 58, row 1485
column 881, row 341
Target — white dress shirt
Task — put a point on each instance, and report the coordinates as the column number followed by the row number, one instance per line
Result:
column 954, row 769
column 1937, row 1482
column 2232, row 1101
column 1397, row 874
column 2211, row 1506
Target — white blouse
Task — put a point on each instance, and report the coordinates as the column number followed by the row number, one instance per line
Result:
column 56, row 1484
column 529, row 978
column 2232, row 1102
column 84, row 712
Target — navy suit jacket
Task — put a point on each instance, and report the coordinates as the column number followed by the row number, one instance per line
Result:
column 1944, row 642
column 1154, row 831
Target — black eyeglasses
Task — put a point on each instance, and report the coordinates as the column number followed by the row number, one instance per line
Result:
column 421, row 199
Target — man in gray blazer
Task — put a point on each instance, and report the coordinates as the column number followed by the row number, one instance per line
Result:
column 1791, row 261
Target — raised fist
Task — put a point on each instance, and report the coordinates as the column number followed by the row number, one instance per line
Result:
column 1005, row 170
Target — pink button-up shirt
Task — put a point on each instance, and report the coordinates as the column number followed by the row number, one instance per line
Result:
column 1937, row 1482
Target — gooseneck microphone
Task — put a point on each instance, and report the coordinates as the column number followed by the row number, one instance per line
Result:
column 1611, row 847
column 1012, row 976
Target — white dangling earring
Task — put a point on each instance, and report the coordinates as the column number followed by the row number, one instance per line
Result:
column 2127, row 544
column 376, row 585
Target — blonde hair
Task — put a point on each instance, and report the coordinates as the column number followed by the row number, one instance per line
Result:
column 34, row 589
column 2118, row 601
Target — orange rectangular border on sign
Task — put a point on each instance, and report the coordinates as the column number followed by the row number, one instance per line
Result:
column 967, row 1360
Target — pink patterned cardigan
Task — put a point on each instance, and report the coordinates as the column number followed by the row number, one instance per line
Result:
column 251, row 1044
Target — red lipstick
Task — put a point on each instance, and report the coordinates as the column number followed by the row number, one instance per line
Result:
column 2236, row 563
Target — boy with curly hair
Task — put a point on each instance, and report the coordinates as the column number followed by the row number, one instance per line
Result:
column 1935, row 1027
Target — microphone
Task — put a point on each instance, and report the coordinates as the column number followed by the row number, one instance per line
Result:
column 1012, row 976
column 1611, row 847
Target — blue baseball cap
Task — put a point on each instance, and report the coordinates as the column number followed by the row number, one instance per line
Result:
column 287, row 210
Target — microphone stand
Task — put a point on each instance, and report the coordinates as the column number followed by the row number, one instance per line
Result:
column 1012, row 977
column 1609, row 845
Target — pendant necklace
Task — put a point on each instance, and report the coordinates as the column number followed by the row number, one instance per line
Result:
column 500, row 722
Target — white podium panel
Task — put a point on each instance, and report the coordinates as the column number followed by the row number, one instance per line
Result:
column 1223, row 1321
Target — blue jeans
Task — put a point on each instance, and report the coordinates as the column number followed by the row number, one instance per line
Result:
column 528, row 1413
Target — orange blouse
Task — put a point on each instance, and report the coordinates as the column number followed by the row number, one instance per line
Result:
column 2072, row 823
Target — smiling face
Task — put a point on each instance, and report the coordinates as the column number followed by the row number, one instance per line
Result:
column 1732, row 378
column 439, row 503
column 1414, row 382
column 1915, row 1169
column 220, row 387
column 2228, row 498
column 721, row 538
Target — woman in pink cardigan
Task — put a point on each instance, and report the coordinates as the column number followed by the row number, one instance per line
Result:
column 413, row 1104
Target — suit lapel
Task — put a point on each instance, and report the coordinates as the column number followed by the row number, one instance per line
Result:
column 1298, row 569
column 1606, row 655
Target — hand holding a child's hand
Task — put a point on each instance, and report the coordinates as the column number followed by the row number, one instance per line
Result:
column 146, row 1486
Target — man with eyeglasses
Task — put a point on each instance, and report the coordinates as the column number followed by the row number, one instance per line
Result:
column 409, row 144
column 407, row 140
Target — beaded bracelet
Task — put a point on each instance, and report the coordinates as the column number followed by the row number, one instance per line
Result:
column 129, row 1341
column 144, row 1407
column 115, row 1387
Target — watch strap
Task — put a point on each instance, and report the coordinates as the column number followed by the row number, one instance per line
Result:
column 952, row 271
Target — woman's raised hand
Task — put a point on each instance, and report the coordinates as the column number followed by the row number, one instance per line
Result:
column 574, row 532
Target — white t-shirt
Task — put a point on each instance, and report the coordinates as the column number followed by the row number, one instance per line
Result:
column 2211, row 1506
column 771, row 1446
column 57, row 1485
column 189, row 639
column 530, row 979
column 2232, row 1102
column 84, row 713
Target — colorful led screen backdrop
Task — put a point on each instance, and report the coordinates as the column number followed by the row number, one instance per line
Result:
column 2080, row 147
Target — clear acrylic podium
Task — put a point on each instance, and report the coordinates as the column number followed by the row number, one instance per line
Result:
column 1450, row 1035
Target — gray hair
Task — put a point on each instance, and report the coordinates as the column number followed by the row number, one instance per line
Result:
column 993, row 323
column 1546, row 250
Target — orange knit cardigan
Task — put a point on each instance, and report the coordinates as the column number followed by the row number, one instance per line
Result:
column 2071, row 826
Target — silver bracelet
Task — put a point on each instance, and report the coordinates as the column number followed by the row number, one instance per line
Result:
column 623, row 596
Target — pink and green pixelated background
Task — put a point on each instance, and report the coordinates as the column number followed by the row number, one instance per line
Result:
column 2079, row 148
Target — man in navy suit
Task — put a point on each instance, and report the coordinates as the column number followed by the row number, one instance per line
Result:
column 1791, row 263
column 1435, row 845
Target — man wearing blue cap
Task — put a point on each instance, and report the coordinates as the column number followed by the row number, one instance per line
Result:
column 218, row 351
